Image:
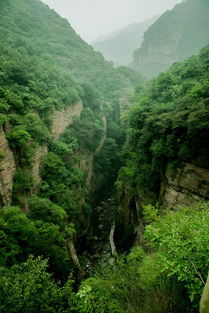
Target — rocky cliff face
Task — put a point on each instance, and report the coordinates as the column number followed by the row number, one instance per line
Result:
column 175, row 36
column 7, row 170
column 61, row 120
column 157, row 57
column 40, row 153
column 64, row 118
column 185, row 186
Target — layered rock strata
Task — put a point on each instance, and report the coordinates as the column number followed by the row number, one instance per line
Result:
column 7, row 170
column 61, row 120
column 185, row 186
column 64, row 118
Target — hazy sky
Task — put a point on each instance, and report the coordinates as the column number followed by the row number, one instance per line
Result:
column 95, row 18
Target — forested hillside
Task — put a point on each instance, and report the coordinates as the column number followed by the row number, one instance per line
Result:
column 175, row 36
column 104, row 190
column 60, row 102
column 167, row 127
column 169, row 122
column 119, row 46
column 46, row 67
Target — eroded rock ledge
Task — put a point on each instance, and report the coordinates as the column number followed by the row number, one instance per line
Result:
column 35, row 171
column 64, row 118
column 185, row 186
column 61, row 120
column 7, row 170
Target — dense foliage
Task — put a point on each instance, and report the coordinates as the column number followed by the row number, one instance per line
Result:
column 36, row 74
column 166, row 277
column 29, row 288
column 168, row 124
column 44, row 68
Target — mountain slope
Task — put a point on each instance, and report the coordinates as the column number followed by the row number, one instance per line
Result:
column 119, row 46
column 42, row 33
column 167, row 147
column 58, row 98
column 60, row 138
column 175, row 36
column 46, row 67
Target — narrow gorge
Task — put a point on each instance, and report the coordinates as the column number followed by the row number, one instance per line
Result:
column 104, row 173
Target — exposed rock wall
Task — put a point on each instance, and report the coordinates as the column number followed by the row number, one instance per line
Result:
column 103, row 137
column 40, row 153
column 204, row 302
column 62, row 119
column 86, row 165
column 7, row 170
column 158, row 56
column 185, row 186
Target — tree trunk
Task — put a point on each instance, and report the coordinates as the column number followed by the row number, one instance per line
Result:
column 204, row 302
column 74, row 257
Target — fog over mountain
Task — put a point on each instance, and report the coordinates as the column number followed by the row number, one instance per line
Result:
column 175, row 36
column 119, row 46
column 96, row 18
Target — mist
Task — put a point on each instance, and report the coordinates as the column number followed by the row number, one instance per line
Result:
column 97, row 18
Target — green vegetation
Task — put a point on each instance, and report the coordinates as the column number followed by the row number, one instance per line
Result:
column 167, row 275
column 29, row 288
column 24, row 234
column 37, row 75
column 168, row 124
column 45, row 264
column 44, row 68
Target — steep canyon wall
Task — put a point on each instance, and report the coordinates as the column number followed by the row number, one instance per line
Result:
column 7, row 170
column 184, row 186
column 61, row 119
